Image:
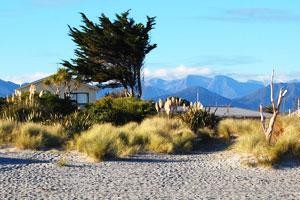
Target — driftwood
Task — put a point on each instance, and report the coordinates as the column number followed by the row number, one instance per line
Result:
column 276, row 107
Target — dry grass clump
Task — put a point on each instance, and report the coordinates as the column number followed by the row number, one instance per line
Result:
column 7, row 131
column 30, row 135
column 166, row 135
column 237, row 127
column 158, row 135
column 251, row 140
column 36, row 136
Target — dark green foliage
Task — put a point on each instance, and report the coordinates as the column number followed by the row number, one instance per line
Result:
column 199, row 118
column 2, row 102
column 121, row 110
column 268, row 109
column 111, row 52
column 49, row 107
column 54, row 105
column 76, row 123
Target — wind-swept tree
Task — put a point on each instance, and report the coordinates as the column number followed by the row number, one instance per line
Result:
column 111, row 53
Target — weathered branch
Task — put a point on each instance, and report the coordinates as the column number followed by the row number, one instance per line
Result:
column 262, row 118
column 269, row 131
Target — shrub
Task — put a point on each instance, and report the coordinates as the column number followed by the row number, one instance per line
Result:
column 35, row 136
column 76, row 123
column 157, row 135
column 199, row 118
column 2, row 102
column 119, row 111
column 54, row 105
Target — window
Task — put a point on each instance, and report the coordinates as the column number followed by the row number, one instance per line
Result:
column 80, row 98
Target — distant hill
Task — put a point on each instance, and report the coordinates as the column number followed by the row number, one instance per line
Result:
column 206, row 97
column 262, row 96
column 7, row 88
column 150, row 92
column 222, row 85
column 230, row 88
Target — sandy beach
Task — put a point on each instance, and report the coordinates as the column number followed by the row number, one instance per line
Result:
column 203, row 175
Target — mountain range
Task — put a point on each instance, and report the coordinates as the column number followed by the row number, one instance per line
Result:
column 221, row 85
column 7, row 88
column 222, row 91
column 216, row 91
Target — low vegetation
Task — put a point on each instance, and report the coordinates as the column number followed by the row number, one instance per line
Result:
column 44, row 108
column 156, row 135
column 199, row 118
column 31, row 135
column 120, row 111
column 117, row 127
column 251, row 139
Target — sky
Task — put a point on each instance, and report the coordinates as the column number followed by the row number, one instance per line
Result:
column 242, row 39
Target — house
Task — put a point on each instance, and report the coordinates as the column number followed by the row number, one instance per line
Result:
column 80, row 92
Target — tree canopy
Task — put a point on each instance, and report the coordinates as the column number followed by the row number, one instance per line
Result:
column 111, row 53
column 62, row 81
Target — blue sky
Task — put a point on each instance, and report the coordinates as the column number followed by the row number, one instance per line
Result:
column 244, row 39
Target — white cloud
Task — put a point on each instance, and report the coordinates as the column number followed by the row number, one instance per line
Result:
column 177, row 72
column 27, row 78
column 280, row 77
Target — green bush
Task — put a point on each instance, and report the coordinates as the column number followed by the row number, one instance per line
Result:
column 56, row 106
column 199, row 118
column 119, row 111
column 76, row 123
column 2, row 102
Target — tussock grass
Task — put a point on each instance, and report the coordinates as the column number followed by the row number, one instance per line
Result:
column 31, row 135
column 157, row 135
column 237, row 127
column 7, row 131
column 251, row 140
column 35, row 136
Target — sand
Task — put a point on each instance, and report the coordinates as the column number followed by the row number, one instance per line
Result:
column 201, row 175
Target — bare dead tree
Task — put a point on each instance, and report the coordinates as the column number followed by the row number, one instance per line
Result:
column 276, row 108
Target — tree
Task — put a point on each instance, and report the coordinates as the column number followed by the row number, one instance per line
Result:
column 62, row 81
column 111, row 53
column 275, row 107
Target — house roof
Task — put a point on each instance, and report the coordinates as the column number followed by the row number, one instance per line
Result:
column 234, row 112
column 43, row 79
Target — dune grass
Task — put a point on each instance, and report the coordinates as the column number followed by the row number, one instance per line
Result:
column 236, row 127
column 36, row 136
column 251, row 140
column 30, row 135
column 156, row 135
column 7, row 132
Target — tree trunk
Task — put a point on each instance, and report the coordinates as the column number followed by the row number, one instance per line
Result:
column 139, row 82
